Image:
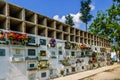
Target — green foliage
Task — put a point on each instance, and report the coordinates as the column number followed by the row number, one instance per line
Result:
column 69, row 20
column 116, row 0
column 85, row 11
column 107, row 24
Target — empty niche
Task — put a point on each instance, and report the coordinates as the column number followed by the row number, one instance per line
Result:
column 81, row 40
column 41, row 31
column 15, row 25
column 2, row 8
column 85, row 41
column 88, row 41
column 89, row 35
column 29, row 16
column 15, row 11
column 58, row 26
column 30, row 28
column 50, row 23
column 50, row 33
column 85, row 34
column 66, row 37
column 65, row 28
column 59, row 35
column 72, row 30
column 77, row 32
column 72, row 38
column 77, row 39
column 81, row 33
column 41, row 20
column 2, row 22
column 92, row 42
column 95, row 43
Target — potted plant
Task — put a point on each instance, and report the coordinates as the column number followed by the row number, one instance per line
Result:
column 2, row 35
column 52, row 42
column 11, row 36
column 15, row 37
column 48, row 63
column 82, row 46
column 67, row 45
column 22, row 38
column 40, row 65
column 62, row 72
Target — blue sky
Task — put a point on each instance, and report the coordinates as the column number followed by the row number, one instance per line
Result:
column 58, row 9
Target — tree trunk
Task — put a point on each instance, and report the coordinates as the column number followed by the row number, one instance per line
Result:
column 86, row 27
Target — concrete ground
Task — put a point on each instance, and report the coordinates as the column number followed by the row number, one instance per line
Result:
column 112, row 74
column 104, row 73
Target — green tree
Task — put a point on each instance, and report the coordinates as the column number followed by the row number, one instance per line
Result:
column 85, row 11
column 107, row 24
column 69, row 20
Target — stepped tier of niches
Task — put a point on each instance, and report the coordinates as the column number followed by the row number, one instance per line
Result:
column 18, row 38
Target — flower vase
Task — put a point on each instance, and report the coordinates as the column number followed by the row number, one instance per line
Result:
column 22, row 42
column 12, row 42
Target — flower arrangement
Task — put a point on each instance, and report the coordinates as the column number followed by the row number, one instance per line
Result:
column 67, row 45
column 83, row 46
column 79, row 45
column 23, row 38
column 94, row 60
column 43, row 64
column 40, row 64
column 11, row 36
column 73, row 46
column 52, row 42
column 2, row 35
column 42, row 53
column 62, row 72
column 48, row 63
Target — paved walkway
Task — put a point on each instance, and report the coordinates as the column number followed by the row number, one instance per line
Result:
column 81, row 75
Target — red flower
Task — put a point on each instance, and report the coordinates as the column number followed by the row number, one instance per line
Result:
column 1, row 36
column 83, row 46
column 14, row 35
column 8, row 35
column 11, row 36
column 94, row 60
column 17, row 37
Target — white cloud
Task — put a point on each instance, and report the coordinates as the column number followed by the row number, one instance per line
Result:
column 62, row 19
column 92, row 7
column 76, row 19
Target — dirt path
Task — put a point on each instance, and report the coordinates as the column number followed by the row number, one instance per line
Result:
column 113, row 74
